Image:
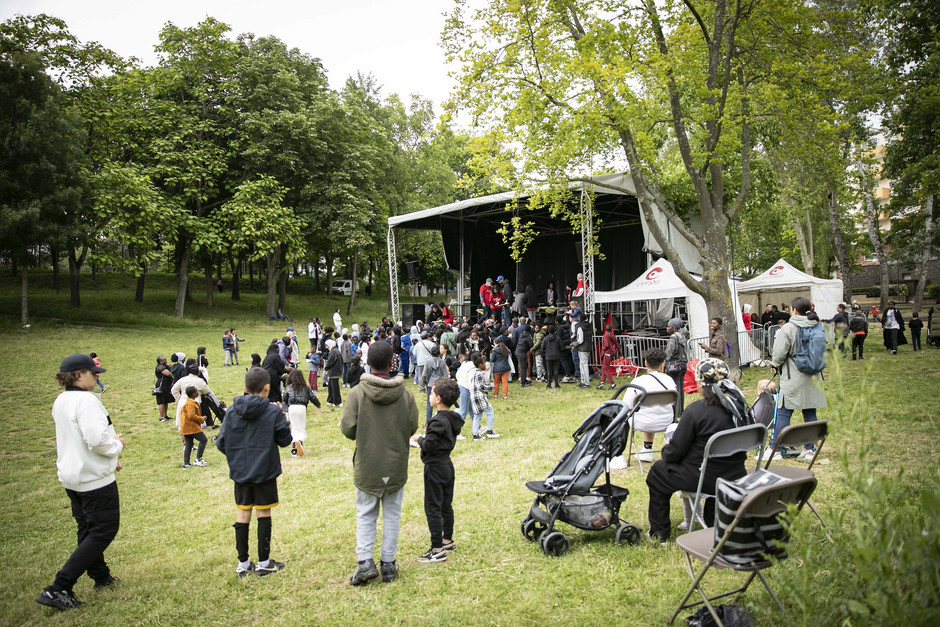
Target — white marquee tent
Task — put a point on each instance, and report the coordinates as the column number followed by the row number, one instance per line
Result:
column 781, row 283
column 660, row 285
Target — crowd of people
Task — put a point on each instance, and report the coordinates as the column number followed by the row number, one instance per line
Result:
column 455, row 366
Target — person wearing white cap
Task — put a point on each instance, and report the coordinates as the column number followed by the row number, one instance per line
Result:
column 88, row 450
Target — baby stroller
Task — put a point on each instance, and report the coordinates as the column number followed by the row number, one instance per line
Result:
column 568, row 493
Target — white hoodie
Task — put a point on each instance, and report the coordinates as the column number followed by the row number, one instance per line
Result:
column 86, row 443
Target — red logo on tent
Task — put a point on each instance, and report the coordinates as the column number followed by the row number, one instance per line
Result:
column 652, row 273
column 776, row 270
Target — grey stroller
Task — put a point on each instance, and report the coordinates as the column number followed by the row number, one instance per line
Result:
column 568, row 493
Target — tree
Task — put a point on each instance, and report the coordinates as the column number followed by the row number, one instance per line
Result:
column 912, row 159
column 582, row 85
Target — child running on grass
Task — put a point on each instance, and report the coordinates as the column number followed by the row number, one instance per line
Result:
column 479, row 399
column 253, row 429
column 436, row 445
column 191, row 420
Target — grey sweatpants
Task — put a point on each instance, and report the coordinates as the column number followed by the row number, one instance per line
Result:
column 367, row 515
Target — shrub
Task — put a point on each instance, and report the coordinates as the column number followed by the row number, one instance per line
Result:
column 878, row 563
column 933, row 291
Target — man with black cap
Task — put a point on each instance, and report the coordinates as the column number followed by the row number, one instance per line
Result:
column 87, row 449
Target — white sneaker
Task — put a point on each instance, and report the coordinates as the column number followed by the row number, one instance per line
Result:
column 199, row 462
column 618, row 463
column 460, row 437
column 645, row 455
column 683, row 526
column 778, row 456
column 807, row 454
column 491, row 434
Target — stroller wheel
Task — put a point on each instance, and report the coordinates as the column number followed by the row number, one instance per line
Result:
column 628, row 534
column 555, row 544
column 532, row 529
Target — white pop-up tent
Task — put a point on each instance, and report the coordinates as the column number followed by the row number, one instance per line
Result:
column 660, row 285
column 781, row 283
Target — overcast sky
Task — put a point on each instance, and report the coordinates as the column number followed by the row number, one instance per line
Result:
column 396, row 40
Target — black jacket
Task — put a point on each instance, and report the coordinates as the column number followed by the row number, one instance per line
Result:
column 552, row 347
column 858, row 324
column 440, row 437
column 354, row 374
column 334, row 363
column 684, row 453
column 524, row 345
column 249, row 437
column 564, row 335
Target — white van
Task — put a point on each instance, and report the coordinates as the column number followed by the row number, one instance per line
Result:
column 343, row 287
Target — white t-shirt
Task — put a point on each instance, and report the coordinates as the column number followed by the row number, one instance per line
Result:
column 890, row 321
column 651, row 418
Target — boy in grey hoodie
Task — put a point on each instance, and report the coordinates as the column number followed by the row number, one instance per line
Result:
column 380, row 415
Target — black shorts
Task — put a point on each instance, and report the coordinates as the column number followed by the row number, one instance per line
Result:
column 257, row 495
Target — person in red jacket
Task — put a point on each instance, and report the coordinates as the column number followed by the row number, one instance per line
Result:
column 486, row 298
column 610, row 350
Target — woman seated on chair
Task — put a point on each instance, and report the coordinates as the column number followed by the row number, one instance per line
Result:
column 722, row 407
column 649, row 420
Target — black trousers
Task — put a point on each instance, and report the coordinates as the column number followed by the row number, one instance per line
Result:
column 523, row 368
column 915, row 339
column 551, row 372
column 208, row 408
column 680, row 387
column 332, row 395
column 98, row 516
column 663, row 482
column 188, row 449
column 858, row 344
column 438, row 501
column 892, row 339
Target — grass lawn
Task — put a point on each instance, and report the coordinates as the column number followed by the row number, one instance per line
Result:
column 175, row 550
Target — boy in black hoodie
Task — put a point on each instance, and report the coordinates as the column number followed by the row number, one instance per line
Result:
column 253, row 429
column 436, row 445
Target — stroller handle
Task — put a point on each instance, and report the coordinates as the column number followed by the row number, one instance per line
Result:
column 623, row 387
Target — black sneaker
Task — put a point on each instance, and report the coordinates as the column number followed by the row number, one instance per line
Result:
column 165, row 418
column 477, row 437
column 59, row 599
column 389, row 571
column 107, row 583
column 185, row 466
column 365, row 572
column 449, row 546
column 293, row 451
column 272, row 567
column 433, row 555
column 244, row 572
column 491, row 434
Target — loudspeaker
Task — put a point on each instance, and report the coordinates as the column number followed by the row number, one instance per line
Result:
column 412, row 268
column 409, row 313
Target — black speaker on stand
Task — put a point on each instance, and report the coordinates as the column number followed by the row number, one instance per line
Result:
column 409, row 313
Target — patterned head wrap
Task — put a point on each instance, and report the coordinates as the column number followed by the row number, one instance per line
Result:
column 712, row 370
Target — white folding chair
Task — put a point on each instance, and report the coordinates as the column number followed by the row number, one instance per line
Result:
column 722, row 444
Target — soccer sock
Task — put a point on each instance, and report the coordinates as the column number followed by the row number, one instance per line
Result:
column 241, row 541
column 264, row 539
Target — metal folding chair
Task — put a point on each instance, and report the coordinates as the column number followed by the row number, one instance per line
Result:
column 802, row 434
column 722, row 444
column 657, row 398
column 762, row 502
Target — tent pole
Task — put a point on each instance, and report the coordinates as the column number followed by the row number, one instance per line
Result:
column 393, row 275
column 587, row 250
column 460, row 277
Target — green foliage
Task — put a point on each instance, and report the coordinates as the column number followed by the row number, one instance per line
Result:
column 878, row 560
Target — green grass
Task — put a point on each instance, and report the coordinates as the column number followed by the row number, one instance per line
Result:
column 175, row 550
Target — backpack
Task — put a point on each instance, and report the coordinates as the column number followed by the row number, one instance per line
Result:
column 810, row 355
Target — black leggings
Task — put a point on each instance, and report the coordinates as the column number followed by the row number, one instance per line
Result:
column 198, row 437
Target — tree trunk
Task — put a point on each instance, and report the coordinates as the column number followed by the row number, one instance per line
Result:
column 75, row 265
column 924, row 255
column 805, row 253
column 184, row 252
column 329, row 275
column 282, row 280
column 54, row 252
column 272, row 276
column 251, row 276
column 210, row 283
column 236, row 266
column 24, row 297
column 871, row 223
column 355, row 273
column 842, row 257
column 316, row 274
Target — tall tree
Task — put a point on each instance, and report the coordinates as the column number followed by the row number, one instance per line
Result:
column 913, row 152
column 575, row 83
